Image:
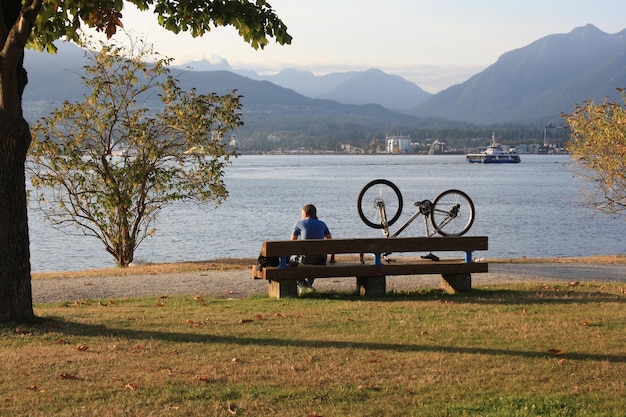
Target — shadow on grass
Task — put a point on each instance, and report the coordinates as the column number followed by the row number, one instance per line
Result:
column 540, row 295
column 80, row 329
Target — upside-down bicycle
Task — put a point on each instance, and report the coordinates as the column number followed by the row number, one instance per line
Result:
column 380, row 203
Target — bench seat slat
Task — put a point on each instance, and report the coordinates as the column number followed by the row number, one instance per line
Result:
column 374, row 245
column 357, row 270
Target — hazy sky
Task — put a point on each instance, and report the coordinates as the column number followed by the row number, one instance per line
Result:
column 433, row 43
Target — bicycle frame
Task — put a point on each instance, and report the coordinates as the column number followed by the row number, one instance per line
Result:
column 383, row 217
column 424, row 208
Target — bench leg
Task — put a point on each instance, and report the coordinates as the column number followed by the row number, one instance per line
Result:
column 371, row 286
column 453, row 283
column 283, row 289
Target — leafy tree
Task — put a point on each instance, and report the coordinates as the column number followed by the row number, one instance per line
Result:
column 39, row 23
column 174, row 154
column 598, row 143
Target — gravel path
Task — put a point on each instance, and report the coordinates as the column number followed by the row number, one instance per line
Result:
column 239, row 284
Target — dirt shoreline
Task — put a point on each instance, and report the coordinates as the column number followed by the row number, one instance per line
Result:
column 234, row 280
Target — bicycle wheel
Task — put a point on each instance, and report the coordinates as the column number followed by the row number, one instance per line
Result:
column 452, row 213
column 376, row 195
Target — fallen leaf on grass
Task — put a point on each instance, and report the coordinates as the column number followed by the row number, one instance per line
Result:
column 561, row 361
column 137, row 349
column 33, row 387
column 573, row 283
column 68, row 376
column 131, row 386
column 63, row 342
column 82, row 348
column 245, row 321
column 556, row 352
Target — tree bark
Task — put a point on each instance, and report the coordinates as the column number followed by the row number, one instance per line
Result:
column 16, row 302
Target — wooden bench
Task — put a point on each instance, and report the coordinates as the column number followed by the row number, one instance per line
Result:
column 371, row 275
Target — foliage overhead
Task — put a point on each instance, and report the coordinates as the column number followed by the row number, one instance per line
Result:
column 598, row 142
column 255, row 21
column 109, row 163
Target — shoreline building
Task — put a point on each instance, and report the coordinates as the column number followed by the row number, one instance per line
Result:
column 398, row 144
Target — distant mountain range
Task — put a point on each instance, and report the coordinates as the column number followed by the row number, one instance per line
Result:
column 372, row 86
column 539, row 81
column 533, row 84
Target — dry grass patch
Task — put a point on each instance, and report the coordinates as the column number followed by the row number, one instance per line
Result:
column 523, row 349
column 148, row 269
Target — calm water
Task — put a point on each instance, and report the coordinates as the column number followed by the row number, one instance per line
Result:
column 529, row 209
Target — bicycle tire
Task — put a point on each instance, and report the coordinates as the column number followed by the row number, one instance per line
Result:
column 379, row 191
column 452, row 213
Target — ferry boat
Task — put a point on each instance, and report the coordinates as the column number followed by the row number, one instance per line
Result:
column 494, row 154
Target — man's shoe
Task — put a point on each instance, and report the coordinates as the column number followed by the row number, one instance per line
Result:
column 431, row 256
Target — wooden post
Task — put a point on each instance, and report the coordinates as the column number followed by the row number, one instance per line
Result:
column 283, row 289
column 371, row 286
column 453, row 283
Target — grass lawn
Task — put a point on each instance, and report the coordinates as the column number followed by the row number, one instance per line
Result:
column 502, row 350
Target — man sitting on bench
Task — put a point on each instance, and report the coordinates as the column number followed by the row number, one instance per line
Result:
column 310, row 227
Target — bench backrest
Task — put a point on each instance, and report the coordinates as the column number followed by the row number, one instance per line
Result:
column 374, row 245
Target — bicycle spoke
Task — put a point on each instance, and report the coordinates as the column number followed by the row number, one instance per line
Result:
column 453, row 213
column 379, row 204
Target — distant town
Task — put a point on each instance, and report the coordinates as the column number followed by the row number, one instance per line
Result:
column 403, row 145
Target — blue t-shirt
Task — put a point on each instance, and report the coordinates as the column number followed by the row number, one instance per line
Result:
column 310, row 229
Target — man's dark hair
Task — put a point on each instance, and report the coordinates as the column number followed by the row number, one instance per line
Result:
column 310, row 211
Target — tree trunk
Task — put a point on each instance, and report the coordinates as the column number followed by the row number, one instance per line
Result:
column 16, row 302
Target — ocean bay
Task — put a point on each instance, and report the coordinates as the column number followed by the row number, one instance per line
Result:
column 531, row 209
